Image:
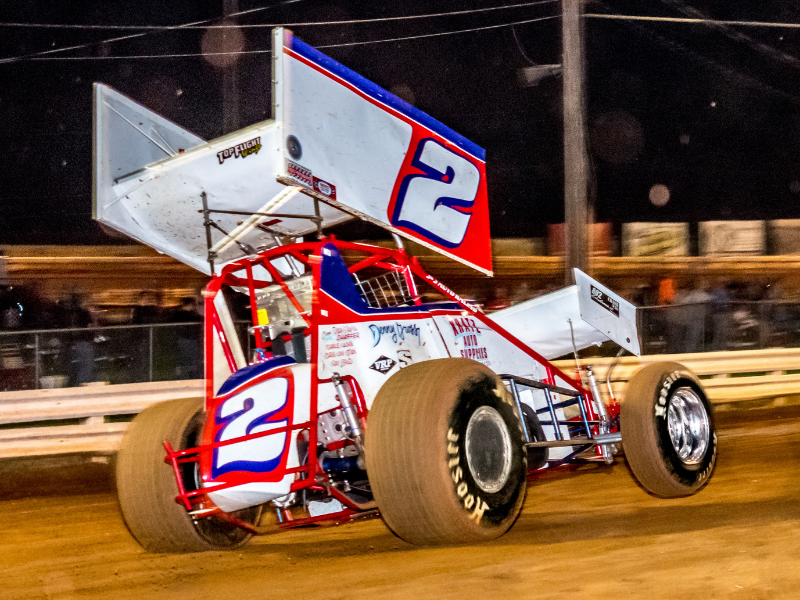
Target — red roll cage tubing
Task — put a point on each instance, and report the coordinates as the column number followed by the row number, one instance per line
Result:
column 305, row 253
column 309, row 254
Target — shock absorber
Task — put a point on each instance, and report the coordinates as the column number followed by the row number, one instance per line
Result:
column 602, row 412
column 350, row 415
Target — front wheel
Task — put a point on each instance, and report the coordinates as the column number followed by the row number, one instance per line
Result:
column 668, row 430
column 445, row 454
column 146, row 486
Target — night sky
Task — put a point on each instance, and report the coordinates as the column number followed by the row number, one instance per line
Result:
column 712, row 112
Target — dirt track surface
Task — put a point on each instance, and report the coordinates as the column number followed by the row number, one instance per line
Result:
column 588, row 533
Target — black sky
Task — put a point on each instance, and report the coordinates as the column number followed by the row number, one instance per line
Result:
column 711, row 114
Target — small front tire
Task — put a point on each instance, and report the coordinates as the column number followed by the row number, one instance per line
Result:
column 668, row 430
column 146, row 486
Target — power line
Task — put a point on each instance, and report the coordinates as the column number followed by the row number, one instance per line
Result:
column 737, row 36
column 138, row 35
column 271, row 25
column 693, row 21
column 730, row 72
column 428, row 35
column 243, row 52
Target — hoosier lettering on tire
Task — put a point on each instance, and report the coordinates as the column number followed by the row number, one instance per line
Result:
column 445, row 455
column 668, row 430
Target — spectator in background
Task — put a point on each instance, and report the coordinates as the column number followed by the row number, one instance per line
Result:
column 498, row 299
column 190, row 355
column 666, row 291
column 693, row 316
column 720, row 300
column 146, row 312
column 77, row 316
column 3, row 268
column 673, row 323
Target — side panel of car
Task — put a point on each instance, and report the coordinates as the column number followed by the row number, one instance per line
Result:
column 274, row 400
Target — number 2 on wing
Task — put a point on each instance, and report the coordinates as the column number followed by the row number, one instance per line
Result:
column 435, row 203
column 248, row 413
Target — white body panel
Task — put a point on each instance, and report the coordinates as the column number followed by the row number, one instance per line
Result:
column 373, row 351
column 251, row 494
column 160, row 203
column 346, row 140
column 547, row 323
column 608, row 312
column 544, row 323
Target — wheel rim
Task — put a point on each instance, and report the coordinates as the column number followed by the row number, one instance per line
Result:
column 688, row 425
column 488, row 449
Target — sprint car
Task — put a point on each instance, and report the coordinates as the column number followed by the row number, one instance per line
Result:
column 350, row 394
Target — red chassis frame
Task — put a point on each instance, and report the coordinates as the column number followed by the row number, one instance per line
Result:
column 311, row 476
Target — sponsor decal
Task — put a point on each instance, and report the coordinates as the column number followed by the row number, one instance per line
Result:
column 447, row 291
column 299, row 173
column 473, row 503
column 337, row 344
column 242, row 150
column 404, row 358
column 306, row 178
column 475, row 353
column 605, row 301
column 324, row 188
column 464, row 326
column 383, row 365
column 467, row 331
column 396, row 332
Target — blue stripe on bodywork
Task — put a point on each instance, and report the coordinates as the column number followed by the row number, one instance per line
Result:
column 253, row 371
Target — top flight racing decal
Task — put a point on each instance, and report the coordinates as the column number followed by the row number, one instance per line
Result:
column 242, row 150
column 605, row 301
column 383, row 365
column 304, row 176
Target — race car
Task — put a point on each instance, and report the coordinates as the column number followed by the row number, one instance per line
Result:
column 350, row 394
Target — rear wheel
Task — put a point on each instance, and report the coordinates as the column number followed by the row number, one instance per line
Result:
column 668, row 430
column 445, row 454
column 146, row 485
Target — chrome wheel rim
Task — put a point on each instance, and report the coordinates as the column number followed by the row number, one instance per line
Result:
column 488, row 449
column 688, row 425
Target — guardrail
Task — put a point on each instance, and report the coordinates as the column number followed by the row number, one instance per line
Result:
column 82, row 419
column 92, row 418
column 728, row 377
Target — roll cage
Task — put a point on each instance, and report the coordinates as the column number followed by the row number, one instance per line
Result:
column 283, row 284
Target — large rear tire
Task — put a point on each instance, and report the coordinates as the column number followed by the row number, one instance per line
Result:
column 668, row 430
column 445, row 455
column 146, row 485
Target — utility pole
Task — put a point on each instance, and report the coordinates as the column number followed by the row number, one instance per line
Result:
column 576, row 213
column 230, row 79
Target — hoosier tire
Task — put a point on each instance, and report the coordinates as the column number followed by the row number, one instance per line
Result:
column 146, row 486
column 668, row 431
column 445, row 455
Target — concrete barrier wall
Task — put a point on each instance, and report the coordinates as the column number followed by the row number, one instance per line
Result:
column 91, row 419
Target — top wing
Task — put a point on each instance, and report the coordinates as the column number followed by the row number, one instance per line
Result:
column 353, row 143
column 160, row 202
column 339, row 147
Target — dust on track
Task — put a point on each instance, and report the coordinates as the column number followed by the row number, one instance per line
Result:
column 589, row 532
